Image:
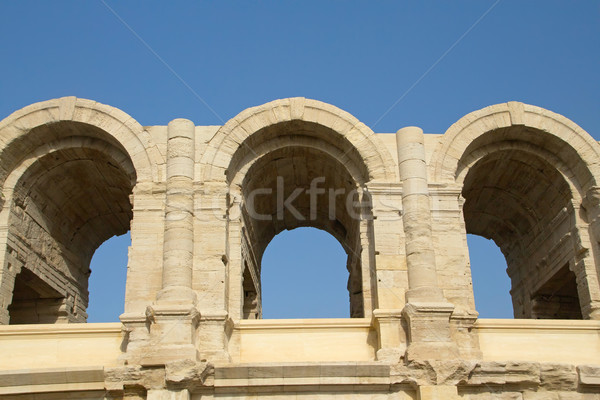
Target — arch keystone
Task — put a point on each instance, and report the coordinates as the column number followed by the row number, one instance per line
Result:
column 297, row 107
column 67, row 108
column 516, row 112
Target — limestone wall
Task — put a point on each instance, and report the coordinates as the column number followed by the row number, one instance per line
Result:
column 202, row 204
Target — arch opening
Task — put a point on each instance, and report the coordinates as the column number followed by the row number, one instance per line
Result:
column 304, row 275
column 107, row 279
column 491, row 284
column 63, row 200
column 525, row 205
column 294, row 181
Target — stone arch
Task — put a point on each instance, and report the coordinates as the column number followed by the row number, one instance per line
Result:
column 67, row 168
column 553, row 132
column 317, row 141
column 120, row 128
column 114, row 153
column 344, row 129
column 523, row 173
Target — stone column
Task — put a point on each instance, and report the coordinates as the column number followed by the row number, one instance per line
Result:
column 426, row 312
column 416, row 216
column 179, row 216
column 174, row 317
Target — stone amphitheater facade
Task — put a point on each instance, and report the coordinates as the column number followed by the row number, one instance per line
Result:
column 203, row 202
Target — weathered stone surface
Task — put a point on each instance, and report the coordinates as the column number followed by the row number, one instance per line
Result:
column 490, row 394
column 501, row 373
column 589, row 375
column 558, row 377
column 543, row 395
column 187, row 373
column 433, row 372
column 202, row 204
column 133, row 376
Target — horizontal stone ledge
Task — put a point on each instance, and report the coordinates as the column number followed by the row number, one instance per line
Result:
column 311, row 390
column 268, row 374
column 91, row 389
column 52, row 380
column 315, row 323
column 60, row 329
column 536, row 324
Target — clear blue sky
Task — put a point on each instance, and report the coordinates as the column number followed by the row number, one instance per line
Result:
column 359, row 56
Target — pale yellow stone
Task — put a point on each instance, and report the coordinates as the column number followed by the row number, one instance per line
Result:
column 201, row 205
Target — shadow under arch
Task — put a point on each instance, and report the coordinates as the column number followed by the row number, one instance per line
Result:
column 522, row 202
column 524, row 174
